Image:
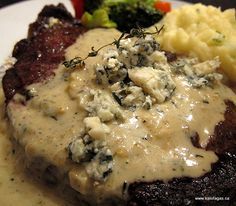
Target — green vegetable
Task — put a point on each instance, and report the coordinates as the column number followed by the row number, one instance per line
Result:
column 219, row 39
column 91, row 5
column 99, row 18
column 134, row 3
column 127, row 14
column 134, row 16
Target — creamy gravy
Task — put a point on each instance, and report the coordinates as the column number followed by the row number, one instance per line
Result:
column 16, row 187
column 147, row 145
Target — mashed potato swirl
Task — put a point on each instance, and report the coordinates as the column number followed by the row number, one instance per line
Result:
column 202, row 31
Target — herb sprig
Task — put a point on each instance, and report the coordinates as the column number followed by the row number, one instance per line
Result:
column 137, row 32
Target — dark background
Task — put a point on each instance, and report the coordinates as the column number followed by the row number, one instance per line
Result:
column 224, row 4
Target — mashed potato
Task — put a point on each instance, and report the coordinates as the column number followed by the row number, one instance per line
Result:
column 202, row 31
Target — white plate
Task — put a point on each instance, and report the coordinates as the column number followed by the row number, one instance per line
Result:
column 15, row 19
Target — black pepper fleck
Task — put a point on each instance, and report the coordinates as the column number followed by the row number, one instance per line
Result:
column 205, row 101
column 197, row 155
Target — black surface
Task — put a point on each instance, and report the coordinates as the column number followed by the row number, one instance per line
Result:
column 224, row 4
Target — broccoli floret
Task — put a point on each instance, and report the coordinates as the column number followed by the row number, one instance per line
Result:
column 99, row 18
column 127, row 14
column 128, row 17
column 92, row 5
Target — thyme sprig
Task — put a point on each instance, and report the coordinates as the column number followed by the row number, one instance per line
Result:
column 141, row 33
column 136, row 32
column 74, row 62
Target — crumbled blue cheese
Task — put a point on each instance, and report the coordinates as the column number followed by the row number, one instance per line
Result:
column 143, row 52
column 91, row 150
column 134, row 96
column 158, row 57
column 133, row 54
column 51, row 22
column 207, row 67
column 156, row 83
column 105, row 75
column 100, row 104
column 141, row 69
column 198, row 74
column 130, row 95
column 101, row 166
column 96, row 129
column 78, row 150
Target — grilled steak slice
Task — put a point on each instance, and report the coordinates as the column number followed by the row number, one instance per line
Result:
column 219, row 183
column 224, row 138
column 39, row 54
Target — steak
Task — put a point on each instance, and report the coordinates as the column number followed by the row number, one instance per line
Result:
column 224, row 138
column 37, row 58
column 39, row 55
column 219, row 183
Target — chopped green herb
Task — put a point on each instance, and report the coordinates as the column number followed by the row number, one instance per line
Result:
column 219, row 39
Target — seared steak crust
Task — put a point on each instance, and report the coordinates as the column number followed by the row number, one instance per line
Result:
column 39, row 54
column 224, row 138
column 219, row 183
